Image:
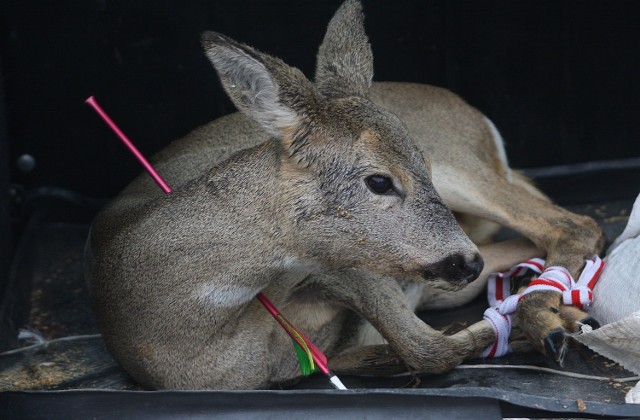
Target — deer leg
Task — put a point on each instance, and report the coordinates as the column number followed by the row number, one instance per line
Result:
column 381, row 301
column 566, row 237
column 378, row 360
column 573, row 318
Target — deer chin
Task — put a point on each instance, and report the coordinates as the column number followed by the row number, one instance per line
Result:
column 446, row 285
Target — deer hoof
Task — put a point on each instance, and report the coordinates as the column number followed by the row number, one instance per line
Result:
column 555, row 344
column 590, row 321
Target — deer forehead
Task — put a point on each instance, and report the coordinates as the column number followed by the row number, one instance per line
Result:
column 382, row 133
column 393, row 153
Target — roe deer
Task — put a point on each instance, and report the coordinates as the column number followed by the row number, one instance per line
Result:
column 335, row 198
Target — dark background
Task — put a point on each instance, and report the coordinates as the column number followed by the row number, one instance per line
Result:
column 558, row 78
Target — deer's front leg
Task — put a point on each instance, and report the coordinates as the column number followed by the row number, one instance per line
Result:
column 567, row 239
column 381, row 301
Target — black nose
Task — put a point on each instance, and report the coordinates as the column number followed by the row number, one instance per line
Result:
column 455, row 268
column 473, row 268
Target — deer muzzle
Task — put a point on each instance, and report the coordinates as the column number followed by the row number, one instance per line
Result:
column 455, row 268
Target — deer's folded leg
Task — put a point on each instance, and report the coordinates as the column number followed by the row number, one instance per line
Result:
column 381, row 302
column 565, row 237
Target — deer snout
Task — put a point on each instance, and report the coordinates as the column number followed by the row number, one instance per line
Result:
column 455, row 268
column 473, row 268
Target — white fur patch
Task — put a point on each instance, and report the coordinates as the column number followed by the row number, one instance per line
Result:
column 295, row 264
column 368, row 336
column 413, row 294
column 499, row 143
column 314, row 315
column 224, row 296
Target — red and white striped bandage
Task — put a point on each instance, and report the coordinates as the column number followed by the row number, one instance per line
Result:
column 555, row 278
column 502, row 326
column 558, row 279
column 503, row 304
column 581, row 293
column 499, row 284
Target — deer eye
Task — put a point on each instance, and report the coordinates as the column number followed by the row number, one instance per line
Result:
column 379, row 184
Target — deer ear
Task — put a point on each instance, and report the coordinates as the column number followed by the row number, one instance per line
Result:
column 344, row 64
column 263, row 87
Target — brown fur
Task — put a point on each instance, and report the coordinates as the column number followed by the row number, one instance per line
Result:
column 276, row 199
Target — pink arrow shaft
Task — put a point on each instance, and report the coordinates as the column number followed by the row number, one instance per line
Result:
column 91, row 101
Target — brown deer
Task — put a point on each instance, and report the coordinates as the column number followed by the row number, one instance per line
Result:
column 335, row 198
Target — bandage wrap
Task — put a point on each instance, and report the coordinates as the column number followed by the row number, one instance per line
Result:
column 501, row 324
column 555, row 278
